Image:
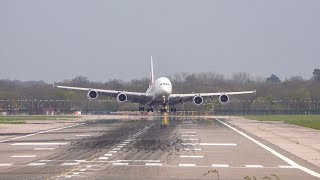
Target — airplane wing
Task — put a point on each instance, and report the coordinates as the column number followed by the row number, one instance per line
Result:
column 181, row 98
column 137, row 97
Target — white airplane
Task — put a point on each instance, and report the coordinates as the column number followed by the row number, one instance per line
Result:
column 159, row 93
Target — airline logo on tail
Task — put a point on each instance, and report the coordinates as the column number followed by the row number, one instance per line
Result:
column 152, row 76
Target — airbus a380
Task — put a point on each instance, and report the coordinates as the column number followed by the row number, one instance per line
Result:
column 159, row 93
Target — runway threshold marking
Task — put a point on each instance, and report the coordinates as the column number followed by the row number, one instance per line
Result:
column 149, row 161
column 108, row 155
column 153, row 164
column 37, row 164
column 56, row 129
column 70, row 164
column 104, row 158
column 190, row 139
column 220, row 165
column 188, row 132
column 37, row 144
column 284, row 158
column 209, row 144
column 187, row 135
column 5, row 165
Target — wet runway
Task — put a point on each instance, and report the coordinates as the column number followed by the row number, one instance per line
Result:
column 155, row 148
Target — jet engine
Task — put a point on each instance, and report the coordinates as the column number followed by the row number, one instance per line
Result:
column 198, row 100
column 223, row 99
column 92, row 95
column 121, row 98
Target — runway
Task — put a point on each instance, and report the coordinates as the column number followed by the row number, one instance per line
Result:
column 155, row 148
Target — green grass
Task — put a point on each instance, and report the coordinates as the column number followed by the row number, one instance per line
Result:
column 311, row 121
column 23, row 119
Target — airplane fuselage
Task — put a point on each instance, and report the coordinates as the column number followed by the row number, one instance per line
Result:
column 160, row 91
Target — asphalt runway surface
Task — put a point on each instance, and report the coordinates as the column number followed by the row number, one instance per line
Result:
column 155, row 148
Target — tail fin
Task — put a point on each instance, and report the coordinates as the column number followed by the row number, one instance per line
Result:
column 152, row 76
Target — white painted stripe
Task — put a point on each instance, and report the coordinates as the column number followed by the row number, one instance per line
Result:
column 287, row 160
column 189, row 132
column 287, row 167
column 104, row 158
column 23, row 156
column 37, row 144
column 122, row 144
column 76, row 173
column 3, row 165
column 119, row 146
column 185, row 135
column 120, row 164
column 187, row 165
column 187, row 149
column 116, row 149
column 89, row 166
column 182, row 156
column 150, row 161
column 82, row 160
column 190, row 139
column 108, row 155
column 253, row 166
column 209, row 144
column 70, row 164
column 44, row 160
column 37, row 164
column 220, row 165
column 81, row 170
column 153, row 164
column 83, row 135
column 19, row 137
column 113, row 151
column 43, row 149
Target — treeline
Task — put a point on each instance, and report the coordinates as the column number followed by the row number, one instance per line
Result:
column 270, row 91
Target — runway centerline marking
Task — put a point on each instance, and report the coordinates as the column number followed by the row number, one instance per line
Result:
column 120, row 164
column 4, row 165
column 287, row 167
column 37, row 164
column 70, row 164
column 43, row 149
column 108, row 155
column 23, row 156
column 220, row 165
column 183, row 156
column 153, row 164
column 37, row 144
column 104, row 158
column 113, row 151
column 19, row 137
column 187, row 165
column 254, row 166
column 150, row 161
column 287, row 160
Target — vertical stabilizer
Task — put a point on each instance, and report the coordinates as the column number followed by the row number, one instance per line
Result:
column 152, row 76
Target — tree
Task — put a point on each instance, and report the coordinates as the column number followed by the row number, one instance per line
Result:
column 316, row 74
column 273, row 79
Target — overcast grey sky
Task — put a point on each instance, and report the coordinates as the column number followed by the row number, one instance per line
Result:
column 59, row 39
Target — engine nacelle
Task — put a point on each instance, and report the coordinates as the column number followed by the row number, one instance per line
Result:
column 92, row 95
column 198, row 100
column 121, row 98
column 223, row 99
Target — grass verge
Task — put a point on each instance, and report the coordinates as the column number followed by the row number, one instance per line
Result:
column 23, row 119
column 310, row 121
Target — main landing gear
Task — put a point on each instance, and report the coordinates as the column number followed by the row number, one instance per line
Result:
column 149, row 109
column 173, row 109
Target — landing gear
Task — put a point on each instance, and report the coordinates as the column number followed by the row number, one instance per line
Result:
column 173, row 109
column 141, row 108
column 149, row 109
column 163, row 109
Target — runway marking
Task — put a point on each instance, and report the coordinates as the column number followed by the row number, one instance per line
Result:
column 120, row 164
column 83, row 135
column 287, row 167
column 190, row 139
column 119, row 146
column 122, row 144
column 287, row 160
column 89, row 166
column 113, row 151
column 150, row 161
column 189, row 132
column 153, row 164
column 187, row 149
column 5, row 165
column 76, row 173
column 220, row 165
column 187, row 165
column 254, row 166
column 186, row 135
column 37, row 164
column 19, row 137
column 104, row 158
column 116, row 149
column 43, row 149
column 23, row 156
column 37, row 144
column 182, row 156
column 44, row 160
column 70, row 164
column 82, row 160
column 209, row 144
column 81, row 170
column 108, row 155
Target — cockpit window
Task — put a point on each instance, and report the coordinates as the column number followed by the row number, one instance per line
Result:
column 167, row 84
